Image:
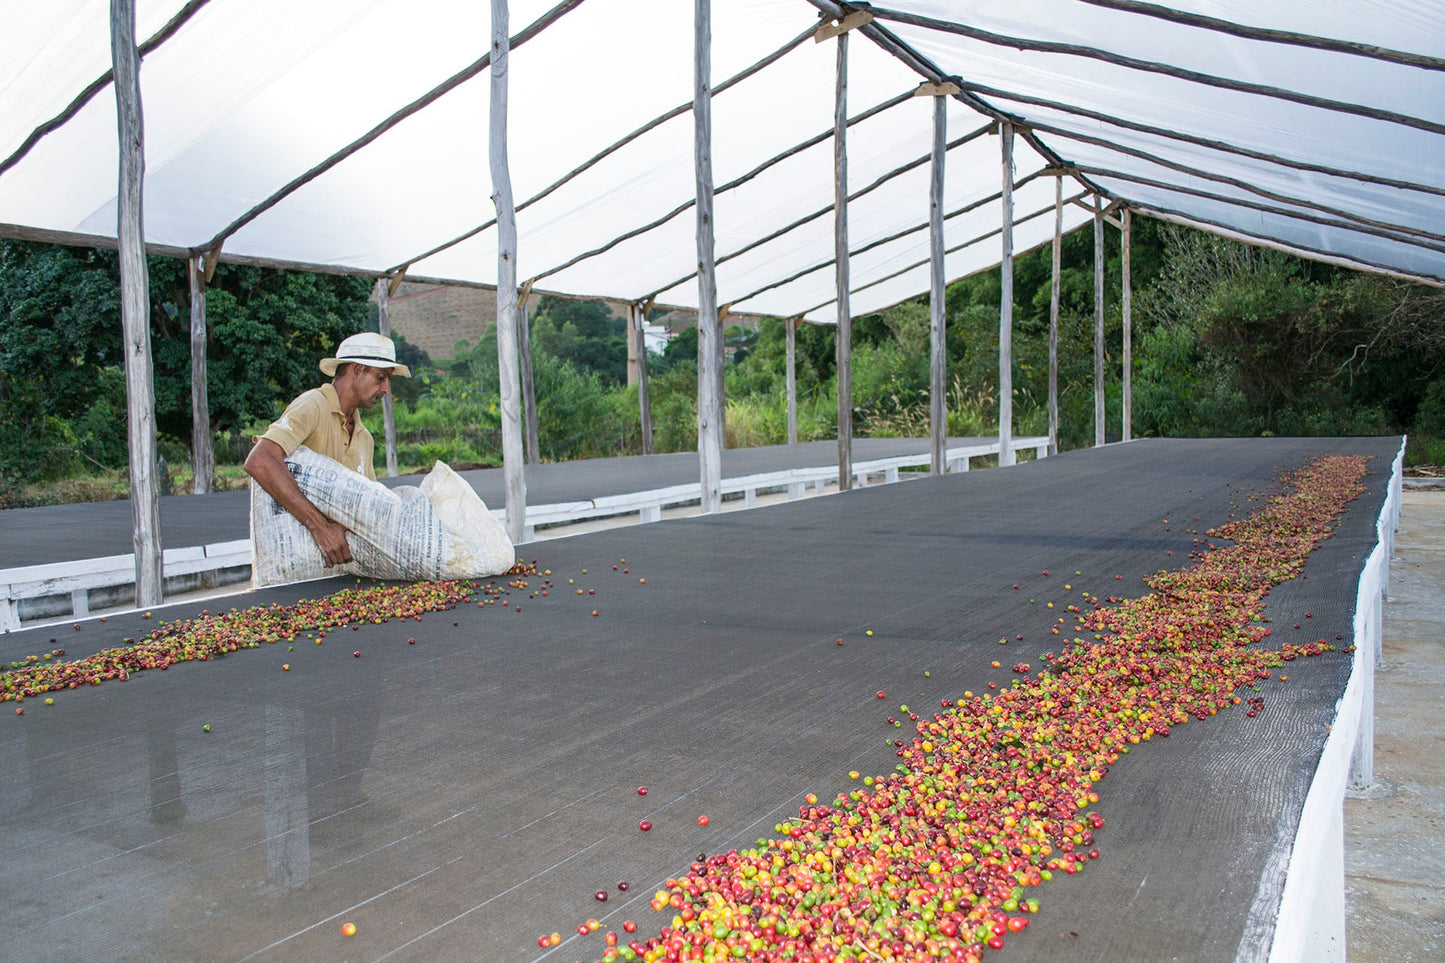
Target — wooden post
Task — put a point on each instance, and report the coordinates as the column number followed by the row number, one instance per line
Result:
column 1128, row 394
column 791, row 329
column 633, row 334
column 843, row 333
column 203, row 457
column 1054, row 316
column 638, row 313
column 388, row 414
column 937, row 297
column 512, row 468
column 722, row 377
column 1006, row 303
column 1098, row 321
column 135, row 308
column 529, row 385
column 709, row 340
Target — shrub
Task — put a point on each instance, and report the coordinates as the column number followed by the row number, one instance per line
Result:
column 756, row 421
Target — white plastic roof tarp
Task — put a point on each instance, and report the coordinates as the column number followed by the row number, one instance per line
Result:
column 244, row 97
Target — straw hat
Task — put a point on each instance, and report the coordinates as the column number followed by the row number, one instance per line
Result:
column 368, row 348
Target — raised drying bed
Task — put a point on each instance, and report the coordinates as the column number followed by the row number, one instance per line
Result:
column 74, row 588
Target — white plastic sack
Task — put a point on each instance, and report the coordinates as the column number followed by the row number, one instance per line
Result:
column 441, row 530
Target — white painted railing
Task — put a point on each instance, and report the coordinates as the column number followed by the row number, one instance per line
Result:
column 1310, row 926
column 79, row 578
column 649, row 504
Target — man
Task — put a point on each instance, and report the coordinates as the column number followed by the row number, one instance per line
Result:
column 326, row 420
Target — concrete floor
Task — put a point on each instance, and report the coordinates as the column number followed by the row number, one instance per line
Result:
column 1394, row 895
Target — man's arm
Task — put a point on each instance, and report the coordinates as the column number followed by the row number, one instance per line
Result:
column 267, row 464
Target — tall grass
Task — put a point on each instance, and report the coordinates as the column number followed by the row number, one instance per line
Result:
column 971, row 412
column 761, row 420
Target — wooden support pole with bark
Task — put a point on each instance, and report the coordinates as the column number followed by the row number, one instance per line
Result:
column 937, row 298
column 632, row 335
column 1006, row 303
column 1099, row 426
column 791, row 331
column 709, row 340
column 510, row 392
column 135, row 308
column 1054, row 315
column 1127, row 431
column 388, row 413
column 722, row 374
column 843, row 333
column 203, row 455
column 638, row 315
column 529, row 383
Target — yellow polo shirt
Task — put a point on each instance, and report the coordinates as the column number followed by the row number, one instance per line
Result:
column 315, row 420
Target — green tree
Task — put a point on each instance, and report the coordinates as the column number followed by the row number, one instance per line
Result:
column 61, row 363
column 265, row 332
column 576, row 416
column 59, row 329
column 738, row 343
column 585, row 333
column 763, row 369
column 1249, row 341
column 681, row 352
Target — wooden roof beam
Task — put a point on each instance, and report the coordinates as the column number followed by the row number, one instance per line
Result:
column 1155, row 67
column 854, row 252
column 170, row 29
column 820, row 212
column 1299, row 250
column 1184, row 138
column 959, row 247
column 617, row 145
column 1290, row 37
column 446, row 86
column 1421, row 239
column 730, row 185
column 1234, row 182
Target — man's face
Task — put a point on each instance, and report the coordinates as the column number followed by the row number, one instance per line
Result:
column 370, row 384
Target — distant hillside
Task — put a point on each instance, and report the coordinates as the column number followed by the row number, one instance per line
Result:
column 434, row 317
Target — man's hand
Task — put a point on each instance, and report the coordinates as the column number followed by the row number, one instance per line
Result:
column 267, row 464
column 331, row 539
